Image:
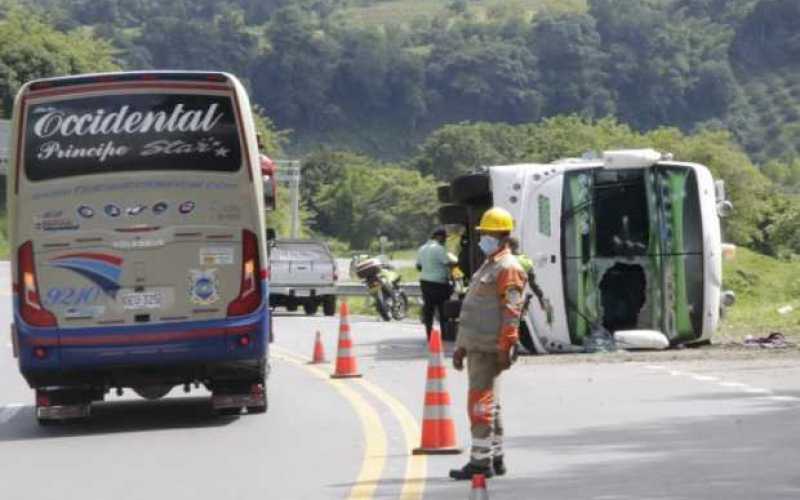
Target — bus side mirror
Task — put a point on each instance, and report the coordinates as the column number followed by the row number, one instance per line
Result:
column 719, row 190
column 724, row 209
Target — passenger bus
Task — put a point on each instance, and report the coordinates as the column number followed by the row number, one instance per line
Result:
column 628, row 243
column 136, row 219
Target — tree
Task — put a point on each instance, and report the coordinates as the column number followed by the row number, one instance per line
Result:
column 293, row 80
column 481, row 76
column 354, row 198
column 222, row 42
column 458, row 149
column 573, row 75
column 31, row 48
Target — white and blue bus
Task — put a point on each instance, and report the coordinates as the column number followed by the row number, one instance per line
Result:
column 136, row 219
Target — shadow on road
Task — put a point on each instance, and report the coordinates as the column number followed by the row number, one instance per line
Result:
column 739, row 457
column 119, row 416
column 401, row 348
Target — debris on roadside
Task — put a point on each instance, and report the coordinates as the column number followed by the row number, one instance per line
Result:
column 774, row 340
column 600, row 340
column 783, row 311
column 641, row 340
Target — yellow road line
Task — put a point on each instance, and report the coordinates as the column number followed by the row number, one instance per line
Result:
column 376, row 448
column 417, row 465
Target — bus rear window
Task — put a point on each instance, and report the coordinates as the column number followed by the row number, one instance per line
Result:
column 131, row 132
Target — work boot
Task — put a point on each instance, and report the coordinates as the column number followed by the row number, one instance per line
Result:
column 469, row 470
column 499, row 465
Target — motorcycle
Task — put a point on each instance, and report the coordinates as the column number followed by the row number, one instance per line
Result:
column 383, row 283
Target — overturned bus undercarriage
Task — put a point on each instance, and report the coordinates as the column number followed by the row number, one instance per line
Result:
column 626, row 243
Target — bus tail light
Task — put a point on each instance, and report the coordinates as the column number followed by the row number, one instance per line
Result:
column 30, row 304
column 250, row 288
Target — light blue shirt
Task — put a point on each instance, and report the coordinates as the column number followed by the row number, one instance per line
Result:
column 432, row 256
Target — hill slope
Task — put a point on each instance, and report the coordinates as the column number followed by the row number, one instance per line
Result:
column 405, row 11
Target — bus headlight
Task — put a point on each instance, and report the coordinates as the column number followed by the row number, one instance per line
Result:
column 724, row 209
column 728, row 298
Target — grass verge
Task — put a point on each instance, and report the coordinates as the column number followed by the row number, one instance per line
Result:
column 767, row 297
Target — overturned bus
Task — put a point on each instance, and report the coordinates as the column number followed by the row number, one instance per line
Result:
column 627, row 243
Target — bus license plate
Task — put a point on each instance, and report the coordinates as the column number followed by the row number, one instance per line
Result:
column 142, row 300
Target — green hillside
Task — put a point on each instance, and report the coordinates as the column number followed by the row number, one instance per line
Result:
column 405, row 11
column 772, row 104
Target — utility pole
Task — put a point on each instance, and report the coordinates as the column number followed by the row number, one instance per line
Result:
column 289, row 173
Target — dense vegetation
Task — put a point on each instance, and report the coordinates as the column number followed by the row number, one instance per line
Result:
column 379, row 75
column 464, row 83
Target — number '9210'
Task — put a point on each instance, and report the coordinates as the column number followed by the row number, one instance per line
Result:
column 71, row 296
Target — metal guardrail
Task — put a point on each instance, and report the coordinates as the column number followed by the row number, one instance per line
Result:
column 359, row 289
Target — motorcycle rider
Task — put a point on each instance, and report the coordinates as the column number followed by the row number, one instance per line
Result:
column 488, row 332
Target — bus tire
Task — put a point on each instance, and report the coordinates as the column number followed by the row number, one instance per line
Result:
column 471, row 189
column 443, row 194
column 260, row 408
column 453, row 214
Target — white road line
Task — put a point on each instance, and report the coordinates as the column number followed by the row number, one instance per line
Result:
column 745, row 388
column 756, row 390
column 783, row 398
column 733, row 385
column 9, row 411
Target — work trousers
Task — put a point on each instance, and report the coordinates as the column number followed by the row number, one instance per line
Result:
column 434, row 295
column 483, row 408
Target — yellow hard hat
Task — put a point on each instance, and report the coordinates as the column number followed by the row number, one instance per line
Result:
column 496, row 219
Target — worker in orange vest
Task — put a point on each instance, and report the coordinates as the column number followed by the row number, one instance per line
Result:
column 487, row 337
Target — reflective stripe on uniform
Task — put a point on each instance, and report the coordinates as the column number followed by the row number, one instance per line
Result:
column 481, row 407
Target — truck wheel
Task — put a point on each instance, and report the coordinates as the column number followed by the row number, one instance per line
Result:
column 329, row 305
column 472, row 189
column 453, row 214
column 310, row 307
column 291, row 306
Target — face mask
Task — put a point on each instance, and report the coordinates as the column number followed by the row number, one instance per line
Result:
column 488, row 244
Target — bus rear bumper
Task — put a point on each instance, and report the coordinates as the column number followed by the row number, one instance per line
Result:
column 130, row 355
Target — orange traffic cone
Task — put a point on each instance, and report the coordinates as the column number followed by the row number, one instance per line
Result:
column 478, row 491
column 345, row 360
column 438, row 428
column 319, row 351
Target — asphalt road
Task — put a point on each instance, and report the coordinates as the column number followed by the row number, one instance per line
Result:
column 575, row 430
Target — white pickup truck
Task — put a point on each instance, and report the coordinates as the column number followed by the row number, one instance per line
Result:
column 303, row 272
